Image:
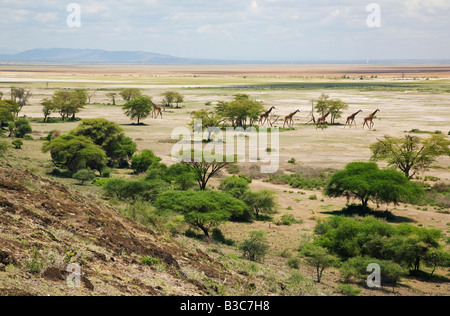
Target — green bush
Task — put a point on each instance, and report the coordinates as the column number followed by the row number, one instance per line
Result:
column 294, row 263
column 140, row 163
column 20, row 127
column 3, row 148
column 18, row 143
column 150, row 261
column 289, row 220
column 84, row 175
column 256, row 246
column 348, row 290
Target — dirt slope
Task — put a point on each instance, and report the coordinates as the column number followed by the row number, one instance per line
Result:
column 44, row 227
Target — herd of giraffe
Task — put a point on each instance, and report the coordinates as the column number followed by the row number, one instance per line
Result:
column 351, row 120
column 289, row 120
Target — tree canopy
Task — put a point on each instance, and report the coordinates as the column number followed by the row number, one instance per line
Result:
column 241, row 112
column 411, row 154
column 201, row 209
column 138, row 108
column 76, row 153
column 110, row 137
column 366, row 182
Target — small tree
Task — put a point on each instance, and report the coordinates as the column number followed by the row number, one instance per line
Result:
column 241, row 112
column 138, row 108
column 261, row 202
column 21, row 96
column 48, row 107
column 205, row 169
column 320, row 258
column 113, row 97
column 256, row 246
column 130, row 94
column 140, row 163
column 110, row 137
column 18, row 143
column 237, row 186
column 84, row 175
column 19, row 128
column 437, row 258
column 410, row 154
column 75, row 153
column 8, row 110
column 204, row 210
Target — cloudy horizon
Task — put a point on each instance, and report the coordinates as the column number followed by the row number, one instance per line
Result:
column 234, row 29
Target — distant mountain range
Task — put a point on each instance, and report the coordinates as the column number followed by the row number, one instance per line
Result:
column 98, row 56
column 65, row 55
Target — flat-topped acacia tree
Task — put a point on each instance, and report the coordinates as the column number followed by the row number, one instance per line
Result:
column 139, row 108
column 366, row 182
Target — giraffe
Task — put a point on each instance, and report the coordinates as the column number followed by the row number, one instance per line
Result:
column 369, row 120
column 290, row 119
column 322, row 120
column 157, row 111
column 351, row 119
column 265, row 116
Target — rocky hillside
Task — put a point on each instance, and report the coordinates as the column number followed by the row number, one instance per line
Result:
column 45, row 227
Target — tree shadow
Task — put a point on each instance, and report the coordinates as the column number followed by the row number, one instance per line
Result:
column 359, row 210
column 134, row 124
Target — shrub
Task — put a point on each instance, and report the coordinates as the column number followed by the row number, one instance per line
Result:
column 75, row 153
column 348, row 290
column 289, row 220
column 84, row 175
column 20, row 127
column 3, row 148
column 256, row 246
column 150, row 261
column 18, row 143
column 294, row 263
column 106, row 172
column 204, row 210
column 140, row 163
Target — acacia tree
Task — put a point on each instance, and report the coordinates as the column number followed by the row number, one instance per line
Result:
column 67, row 103
column 204, row 170
column 366, row 182
column 139, row 108
column 113, row 97
column 201, row 209
column 241, row 112
column 209, row 119
column 8, row 108
column 130, row 94
column 110, row 137
column 21, row 96
column 335, row 107
column 410, row 154
column 75, row 153
column 319, row 258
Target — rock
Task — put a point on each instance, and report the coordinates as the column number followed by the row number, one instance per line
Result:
column 6, row 258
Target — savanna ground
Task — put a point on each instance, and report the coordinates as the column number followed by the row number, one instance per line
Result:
column 410, row 97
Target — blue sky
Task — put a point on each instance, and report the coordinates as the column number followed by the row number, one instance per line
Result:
column 235, row 29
